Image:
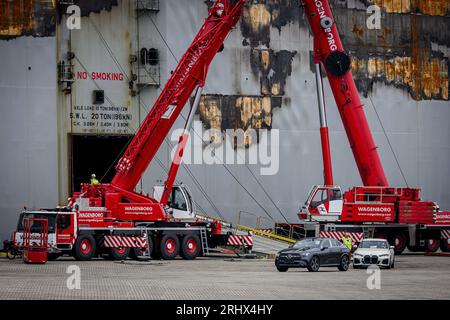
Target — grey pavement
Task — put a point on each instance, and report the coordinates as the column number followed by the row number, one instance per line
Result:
column 414, row 277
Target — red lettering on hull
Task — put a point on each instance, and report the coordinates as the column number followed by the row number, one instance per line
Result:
column 102, row 76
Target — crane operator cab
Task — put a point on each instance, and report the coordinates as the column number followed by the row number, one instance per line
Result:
column 324, row 203
column 180, row 201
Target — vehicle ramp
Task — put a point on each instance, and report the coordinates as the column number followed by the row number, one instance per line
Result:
column 264, row 242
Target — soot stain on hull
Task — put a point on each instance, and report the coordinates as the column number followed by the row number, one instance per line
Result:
column 273, row 68
column 222, row 112
column 88, row 6
column 259, row 16
column 270, row 67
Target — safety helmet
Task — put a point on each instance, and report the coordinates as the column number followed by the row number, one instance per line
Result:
column 93, row 176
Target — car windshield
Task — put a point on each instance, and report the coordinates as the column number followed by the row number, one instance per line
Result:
column 374, row 244
column 307, row 243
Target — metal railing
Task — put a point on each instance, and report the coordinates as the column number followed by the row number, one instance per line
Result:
column 261, row 223
column 370, row 193
column 293, row 232
column 149, row 75
column 65, row 72
column 150, row 5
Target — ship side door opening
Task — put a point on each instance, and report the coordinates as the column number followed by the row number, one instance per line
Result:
column 94, row 154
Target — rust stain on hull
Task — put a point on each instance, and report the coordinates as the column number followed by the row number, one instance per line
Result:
column 38, row 18
column 399, row 54
column 27, row 18
column 427, row 80
column 429, row 7
column 409, row 27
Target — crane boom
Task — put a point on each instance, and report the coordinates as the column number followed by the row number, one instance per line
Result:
column 329, row 51
column 190, row 72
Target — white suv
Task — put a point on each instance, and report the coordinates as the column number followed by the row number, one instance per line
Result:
column 374, row 252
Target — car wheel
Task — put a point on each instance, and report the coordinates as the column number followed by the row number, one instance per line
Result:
column 344, row 264
column 393, row 264
column 314, row 264
column 282, row 269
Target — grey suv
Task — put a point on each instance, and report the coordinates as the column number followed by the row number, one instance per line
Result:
column 313, row 253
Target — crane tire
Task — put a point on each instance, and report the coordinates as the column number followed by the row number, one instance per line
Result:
column 169, row 246
column 432, row 245
column 445, row 245
column 399, row 240
column 119, row 253
column 85, row 247
column 137, row 252
column 190, row 247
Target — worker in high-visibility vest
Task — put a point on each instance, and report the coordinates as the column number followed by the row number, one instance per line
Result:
column 94, row 180
column 347, row 241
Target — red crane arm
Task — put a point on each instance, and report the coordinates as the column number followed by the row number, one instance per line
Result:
column 190, row 72
column 328, row 50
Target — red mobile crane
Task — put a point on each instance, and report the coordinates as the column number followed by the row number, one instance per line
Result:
column 114, row 218
column 375, row 209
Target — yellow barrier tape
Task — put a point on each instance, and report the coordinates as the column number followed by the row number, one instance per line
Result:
column 266, row 234
column 256, row 231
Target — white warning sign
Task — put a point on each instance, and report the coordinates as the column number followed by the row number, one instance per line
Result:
column 99, row 119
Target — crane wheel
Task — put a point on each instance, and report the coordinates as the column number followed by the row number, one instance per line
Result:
column 445, row 245
column 431, row 245
column 399, row 241
column 190, row 247
column 119, row 253
column 169, row 246
column 84, row 248
column 137, row 252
